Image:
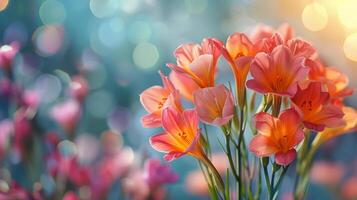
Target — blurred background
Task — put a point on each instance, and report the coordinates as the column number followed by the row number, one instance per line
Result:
column 118, row 46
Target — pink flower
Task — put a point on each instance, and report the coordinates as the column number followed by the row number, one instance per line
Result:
column 277, row 136
column 198, row 62
column 214, row 105
column 78, row 88
column 185, row 85
column 277, row 73
column 157, row 174
column 7, row 54
column 66, row 114
column 155, row 99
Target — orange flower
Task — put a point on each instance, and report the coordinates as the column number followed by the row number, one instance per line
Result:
column 198, row 61
column 277, row 73
column 155, row 99
column 239, row 51
column 350, row 118
column 277, row 136
column 181, row 134
column 335, row 81
column 315, row 108
column 215, row 105
column 185, row 85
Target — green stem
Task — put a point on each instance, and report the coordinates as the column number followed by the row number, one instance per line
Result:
column 285, row 169
column 240, row 138
column 215, row 173
column 231, row 163
column 266, row 175
column 271, row 196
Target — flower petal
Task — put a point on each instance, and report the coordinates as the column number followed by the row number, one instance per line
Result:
column 262, row 146
column 285, row 158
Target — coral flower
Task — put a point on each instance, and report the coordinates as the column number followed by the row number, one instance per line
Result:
column 314, row 105
column 350, row 118
column 277, row 73
column 263, row 32
column 155, row 99
column 239, row 51
column 198, row 61
column 185, row 85
column 335, row 81
column 157, row 174
column 214, row 105
column 181, row 134
column 277, row 136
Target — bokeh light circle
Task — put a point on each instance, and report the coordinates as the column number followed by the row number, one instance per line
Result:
column 52, row 12
column 48, row 87
column 103, row 8
column 3, row 4
column 145, row 55
column 314, row 17
column 48, row 39
column 100, row 103
column 139, row 31
column 347, row 13
column 350, row 47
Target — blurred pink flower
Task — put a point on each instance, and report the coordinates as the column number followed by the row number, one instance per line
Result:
column 15, row 192
column 135, row 186
column 7, row 54
column 22, row 132
column 326, row 173
column 214, row 105
column 70, row 196
column 115, row 163
column 349, row 188
column 78, row 88
column 5, row 87
column 30, row 99
column 66, row 114
column 6, row 129
column 76, row 173
column 157, row 174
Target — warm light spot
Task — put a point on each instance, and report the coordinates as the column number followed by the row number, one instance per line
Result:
column 347, row 13
column 314, row 17
column 350, row 47
column 3, row 4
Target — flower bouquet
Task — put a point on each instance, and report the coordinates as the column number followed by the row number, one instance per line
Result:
column 284, row 104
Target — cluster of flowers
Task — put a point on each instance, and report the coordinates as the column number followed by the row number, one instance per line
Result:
column 301, row 99
column 60, row 163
